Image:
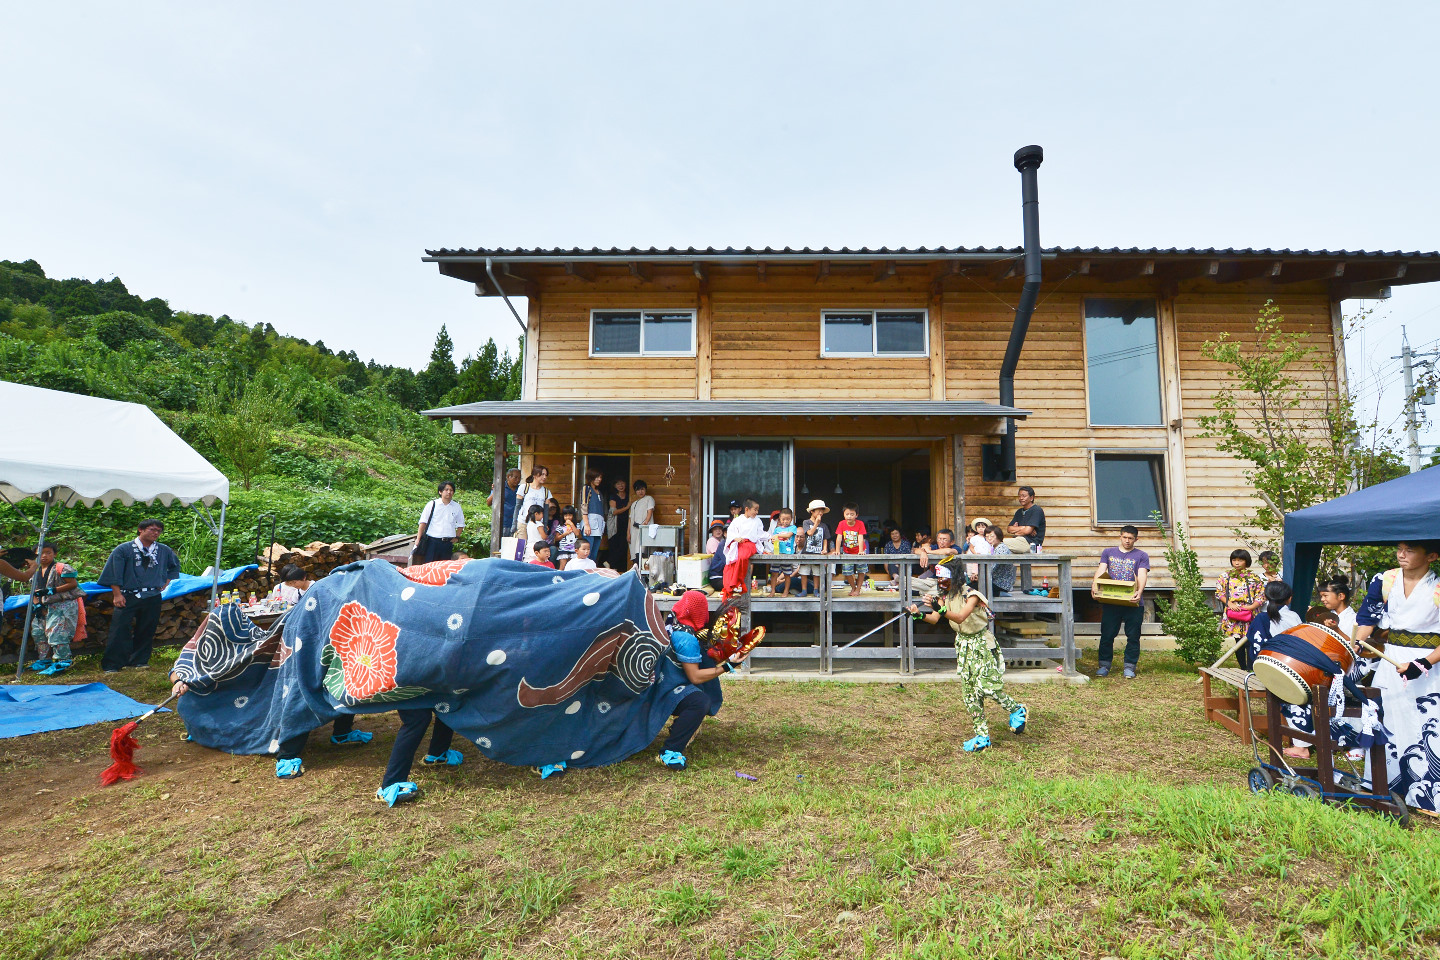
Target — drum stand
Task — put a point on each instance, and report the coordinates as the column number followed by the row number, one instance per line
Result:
column 1320, row 781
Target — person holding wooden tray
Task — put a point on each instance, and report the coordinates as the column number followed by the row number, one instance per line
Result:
column 1118, row 584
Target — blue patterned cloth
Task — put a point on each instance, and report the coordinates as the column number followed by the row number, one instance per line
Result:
column 534, row 666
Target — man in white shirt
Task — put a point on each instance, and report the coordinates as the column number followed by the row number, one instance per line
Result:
column 441, row 524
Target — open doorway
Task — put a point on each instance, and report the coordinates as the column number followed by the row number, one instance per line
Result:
column 614, row 551
column 885, row 482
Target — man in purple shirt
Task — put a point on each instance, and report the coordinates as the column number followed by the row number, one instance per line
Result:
column 1131, row 566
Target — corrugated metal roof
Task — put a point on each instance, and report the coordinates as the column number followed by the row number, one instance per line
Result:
column 821, row 253
column 612, row 409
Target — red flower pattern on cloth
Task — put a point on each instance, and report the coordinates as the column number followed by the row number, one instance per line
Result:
column 435, row 574
column 366, row 646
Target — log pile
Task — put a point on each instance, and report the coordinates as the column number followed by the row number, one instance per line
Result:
column 316, row 560
column 179, row 618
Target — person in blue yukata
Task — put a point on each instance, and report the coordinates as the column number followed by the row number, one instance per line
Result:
column 692, row 615
column 137, row 573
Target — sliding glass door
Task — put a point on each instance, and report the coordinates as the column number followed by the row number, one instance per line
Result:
column 763, row 470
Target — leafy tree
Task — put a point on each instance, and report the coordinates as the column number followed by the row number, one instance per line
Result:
column 1302, row 440
column 116, row 329
column 242, row 424
column 1189, row 619
column 439, row 378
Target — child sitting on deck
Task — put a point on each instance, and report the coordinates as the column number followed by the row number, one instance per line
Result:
column 784, row 532
column 742, row 541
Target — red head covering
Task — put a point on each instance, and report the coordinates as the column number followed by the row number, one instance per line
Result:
column 692, row 609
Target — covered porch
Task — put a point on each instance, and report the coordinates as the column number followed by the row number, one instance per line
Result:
column 896, row 459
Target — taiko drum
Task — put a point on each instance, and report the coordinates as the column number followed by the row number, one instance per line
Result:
column 1290, row 679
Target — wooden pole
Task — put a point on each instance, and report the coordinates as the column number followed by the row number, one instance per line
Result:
column 698, row 526
column 497, row 510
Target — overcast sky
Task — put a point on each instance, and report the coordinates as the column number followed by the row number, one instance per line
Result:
column 290, row 162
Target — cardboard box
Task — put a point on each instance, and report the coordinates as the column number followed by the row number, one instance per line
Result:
column 512, row 548
column 1117, row 592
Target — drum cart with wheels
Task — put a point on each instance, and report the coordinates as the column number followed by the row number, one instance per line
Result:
column 1320, row 781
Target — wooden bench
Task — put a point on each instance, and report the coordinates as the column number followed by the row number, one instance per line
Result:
column 1245, row 717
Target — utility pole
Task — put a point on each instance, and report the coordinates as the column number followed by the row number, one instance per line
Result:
column 1412, row 415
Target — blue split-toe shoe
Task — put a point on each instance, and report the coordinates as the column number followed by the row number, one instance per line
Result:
column 397, row 793
column 1017, row 719
column 354, row 736
column 976, row 743
column 551, row 770
column 56, row 668
column 450, row 758
column 40, row 666
column 289, row 769
column 672, row 760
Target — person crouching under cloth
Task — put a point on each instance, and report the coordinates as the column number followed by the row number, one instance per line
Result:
column 137, row 574
column 978, row 659
column 692, row 613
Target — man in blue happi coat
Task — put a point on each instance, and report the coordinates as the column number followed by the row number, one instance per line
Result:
column 137, row 573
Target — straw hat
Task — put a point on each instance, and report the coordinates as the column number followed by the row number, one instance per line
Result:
column 817, row 505
column 979, row 520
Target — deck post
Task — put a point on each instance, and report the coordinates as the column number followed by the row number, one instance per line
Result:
column 958, row 455
column 1067, row 618
column 497, row 511
column 698, row 526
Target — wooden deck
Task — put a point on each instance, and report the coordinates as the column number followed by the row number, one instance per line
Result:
column 898, row 642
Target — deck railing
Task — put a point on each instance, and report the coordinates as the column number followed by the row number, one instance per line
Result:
column 900, row 644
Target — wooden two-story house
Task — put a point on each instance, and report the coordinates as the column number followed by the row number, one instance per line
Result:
column 871, row 376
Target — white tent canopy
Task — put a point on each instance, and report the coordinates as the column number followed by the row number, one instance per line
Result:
column 90, row 450
column 126, row 454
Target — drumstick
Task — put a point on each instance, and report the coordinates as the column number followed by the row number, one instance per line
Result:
column 1381, row 654
column 1226, row 655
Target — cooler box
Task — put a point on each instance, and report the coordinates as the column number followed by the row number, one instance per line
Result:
column 512, row 548
column 694, row 570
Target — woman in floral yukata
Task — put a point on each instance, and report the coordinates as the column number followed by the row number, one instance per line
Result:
column 1241, row 593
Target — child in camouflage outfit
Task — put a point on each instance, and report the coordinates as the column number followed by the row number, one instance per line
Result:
column 978, row 660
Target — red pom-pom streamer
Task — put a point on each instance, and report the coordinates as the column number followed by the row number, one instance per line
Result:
column 122, row 751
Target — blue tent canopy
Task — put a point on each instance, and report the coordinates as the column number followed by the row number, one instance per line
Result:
column 1407, row 508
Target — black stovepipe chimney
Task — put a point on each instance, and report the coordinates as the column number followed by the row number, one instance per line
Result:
column 1027, row 161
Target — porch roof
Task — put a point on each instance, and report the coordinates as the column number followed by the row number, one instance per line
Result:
column 780, row 416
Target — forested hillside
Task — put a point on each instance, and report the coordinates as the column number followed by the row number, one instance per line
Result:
column 332, row 445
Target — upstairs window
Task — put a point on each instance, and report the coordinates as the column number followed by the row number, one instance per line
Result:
column 1122, row 363
column 642, row 333
column 874, row 333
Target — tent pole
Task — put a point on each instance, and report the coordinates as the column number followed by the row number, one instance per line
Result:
column 219, row 546
column 48, row 496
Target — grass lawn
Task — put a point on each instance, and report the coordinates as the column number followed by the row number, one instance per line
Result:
column 1118, row 825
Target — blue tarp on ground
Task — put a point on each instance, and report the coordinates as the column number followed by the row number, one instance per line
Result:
column 179, row 587
column 532, row 665
column 1407, row 508
column 35, row 709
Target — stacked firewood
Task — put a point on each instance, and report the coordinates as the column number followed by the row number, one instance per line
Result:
column 179, row 618
column 316, row 559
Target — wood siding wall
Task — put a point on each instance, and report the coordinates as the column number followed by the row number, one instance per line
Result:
column 765, row 343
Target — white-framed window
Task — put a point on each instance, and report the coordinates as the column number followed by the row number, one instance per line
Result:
column 642, row 333
column 875, row 333
column 1129, row 487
